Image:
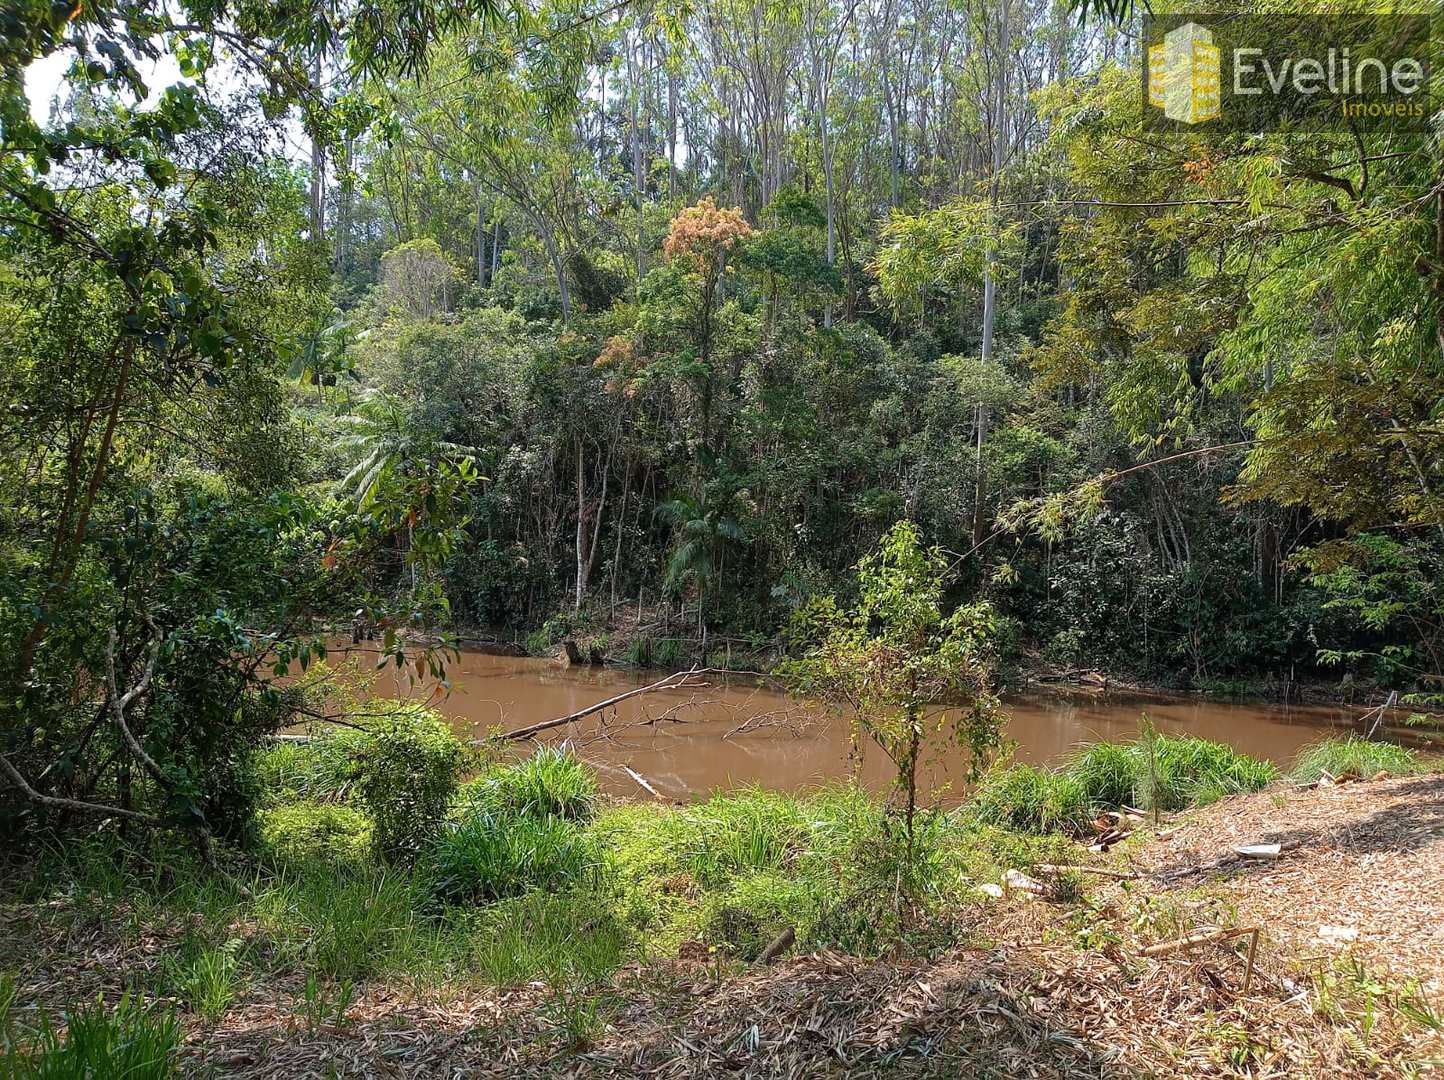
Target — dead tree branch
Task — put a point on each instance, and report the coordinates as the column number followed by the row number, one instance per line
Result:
column 676, row 681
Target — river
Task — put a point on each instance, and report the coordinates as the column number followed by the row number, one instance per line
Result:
column 738, row 731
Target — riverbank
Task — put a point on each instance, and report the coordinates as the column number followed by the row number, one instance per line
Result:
column 651, row 641
column 570, row 936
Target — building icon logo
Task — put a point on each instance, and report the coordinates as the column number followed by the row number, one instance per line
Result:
column 1183, row 75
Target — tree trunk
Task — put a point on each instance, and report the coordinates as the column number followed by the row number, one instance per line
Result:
column 583, row 562
column 990, row 283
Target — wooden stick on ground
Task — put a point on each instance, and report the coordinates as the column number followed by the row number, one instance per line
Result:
column 779, row 945
column 1101, row 871
column 674, row 681
column 1207, row 935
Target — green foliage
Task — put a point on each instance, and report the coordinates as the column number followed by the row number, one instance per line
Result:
column 408, row 765
column 490, row 856
column 549, row 783
column 346, row 926
column 297, row 833
column 205, row 977
column 1354, row 755
column 565, row 938
column 131, row 1040
column 1168, row 772
column 1032, row 799
column 893, row 658
column 936, row 251
column 315, row 771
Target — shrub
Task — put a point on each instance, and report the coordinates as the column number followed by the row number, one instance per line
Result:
column 1352, row 754
column 408, row 765
column 491, row 856
column 549, row 783
column 131, row 1041
column 337, row 835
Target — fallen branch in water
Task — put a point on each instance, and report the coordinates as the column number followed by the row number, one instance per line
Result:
column 641, row 781
column 676, row 681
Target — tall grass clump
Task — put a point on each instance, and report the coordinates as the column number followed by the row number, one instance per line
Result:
column 489, row 856
column 740, row 832
column 131, row 1041
column 321, row 770
column 338, row 924
column 1194, row 772
column 1034, row 799
column 1164, row 772
column 550, row 783
column 1353, row 754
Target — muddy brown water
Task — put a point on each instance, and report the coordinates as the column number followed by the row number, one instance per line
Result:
column 739, row 730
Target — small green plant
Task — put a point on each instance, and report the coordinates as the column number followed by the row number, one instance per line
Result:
column 492, row 856
column 889, row 661
column 131, row 1041
column 408, row 767
column 206, row 977
column 1149, row 778
column 320, row 1007
column 639, row 652
column 1356, row 755
column 549, row 783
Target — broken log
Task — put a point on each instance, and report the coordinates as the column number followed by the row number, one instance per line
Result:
column 778, row 945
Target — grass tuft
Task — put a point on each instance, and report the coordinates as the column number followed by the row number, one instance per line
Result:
column 1353, row 754
column 551, row 783
column 491, row 856
column 1032, row 799
column 131, row 1041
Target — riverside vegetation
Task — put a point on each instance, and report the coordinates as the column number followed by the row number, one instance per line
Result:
column 377, row 864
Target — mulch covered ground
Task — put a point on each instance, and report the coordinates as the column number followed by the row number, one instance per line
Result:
column 1362, row 869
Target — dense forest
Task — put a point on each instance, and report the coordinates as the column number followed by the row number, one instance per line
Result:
column 705, row 300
